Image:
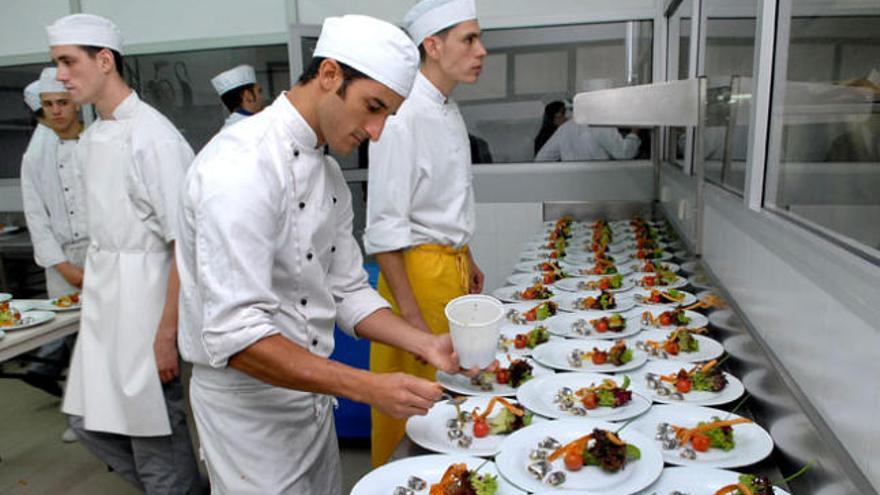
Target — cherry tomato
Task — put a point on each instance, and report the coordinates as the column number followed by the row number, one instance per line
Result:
column 548, row 278
column 671, row 347
column 574, row 460
column 604, row 284
column 590, row 401
column 520, row 341
column 530, row 293
column 481, row 428
column 554, row 255
column 502, row 375
column 598, row 357
column 683, row 386
column 531, row 315
column 655, row 298
column 701, row 442
column 602, row 325
column 649, row 281
column 598, row 270
column 665, row 319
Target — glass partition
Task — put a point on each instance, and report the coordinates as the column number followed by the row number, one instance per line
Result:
column 824, row 147
column 17, row 122
column 678, row 66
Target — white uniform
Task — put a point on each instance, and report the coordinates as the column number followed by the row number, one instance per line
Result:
column 576, row 142
column 266, row 248
column 420, row 181
column 234, row 118
column 54, row 205
column 133, row 167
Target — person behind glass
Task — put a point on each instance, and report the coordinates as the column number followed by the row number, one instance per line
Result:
column 54, row 208
column 268, row 264
column 420, row 201
column 240, row 92
column 123, row 391
column 554, row 116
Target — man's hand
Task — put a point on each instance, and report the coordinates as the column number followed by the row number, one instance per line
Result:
column 476, row 279
column 400, row 395
column 165, row 349
column 440, row 354
column 71, row 273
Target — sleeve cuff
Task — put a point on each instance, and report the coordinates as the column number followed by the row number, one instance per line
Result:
column 382, row 240
column 356, row 306
column 223, row 342
column 49, row 257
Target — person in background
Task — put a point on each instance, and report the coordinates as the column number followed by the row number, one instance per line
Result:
column 577, row 142
column 420, row 200
column 240, row 92
column 123, row 391
column 268, row 263
column 54, row 208
column 554, row 116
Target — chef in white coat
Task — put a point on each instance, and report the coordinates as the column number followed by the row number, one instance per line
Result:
column 123, row 394
column 268, row 264
column 54, row 207
column 241, row 93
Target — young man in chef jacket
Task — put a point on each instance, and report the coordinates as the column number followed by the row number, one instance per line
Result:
column 54, row 207
column 268, row 264
column 420, row 204
column 241, row 93
column 123, row 391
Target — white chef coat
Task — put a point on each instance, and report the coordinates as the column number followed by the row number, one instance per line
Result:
column 576, row 142
column 234, row 118
column 265, row 248
column 53, row 196
column 133, row 166
column 420, row 182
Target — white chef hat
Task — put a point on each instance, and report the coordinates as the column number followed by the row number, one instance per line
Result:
column 49, row 83
column 32, row 95
column 86, row 30
column 233, row 78
column 376, row 48
column 432, row 16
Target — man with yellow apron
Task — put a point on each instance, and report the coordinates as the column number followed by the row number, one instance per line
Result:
column 420, row 204
column 123, row 392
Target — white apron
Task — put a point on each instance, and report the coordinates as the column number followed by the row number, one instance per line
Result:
column 113, row 381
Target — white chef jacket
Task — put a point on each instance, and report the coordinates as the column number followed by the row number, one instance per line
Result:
column 577, row 142
column 234, row 118
column 420, row 187
column 266, row 244
column 53, row 196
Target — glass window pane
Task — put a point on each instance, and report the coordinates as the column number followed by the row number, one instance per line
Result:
column 17, row 122
column 825, row 127
column 541, row 72
column 678, row 57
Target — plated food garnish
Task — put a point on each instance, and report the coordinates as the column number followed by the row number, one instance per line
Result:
column 674, row 317
column 660, row 278
column 536, row 313
column 614, row 323
column 601, row 448
column 510, row 418
column 531, row 339
column 602, row 267
column 604, row 283
column 714, row 434
column 519, row 372
column 678, row 341
column 748, row 484
column 655, row 266
column 706, row 377
column 607, row 394
column 66, row 301
column 535, row 292
column 617, row 355
column 659, row 297
column 650, row 254
column 604, row 302
column 459, row 480
column 9, row 316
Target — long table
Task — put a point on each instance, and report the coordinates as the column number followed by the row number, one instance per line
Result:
column 17, row 342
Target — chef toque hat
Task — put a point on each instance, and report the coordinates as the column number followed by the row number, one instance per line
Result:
column 432, row 16
column 85, row 30
column 49, row 83
column 234, row 78
column 32, row 95
column 378, row 49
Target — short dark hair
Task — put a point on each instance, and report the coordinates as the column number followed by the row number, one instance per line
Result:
column 423, row 55
column 348, row 74
column 233, row 98
column 117, row 57
column 39, row 113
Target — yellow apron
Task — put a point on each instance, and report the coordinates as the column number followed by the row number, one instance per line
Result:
column 437, row 275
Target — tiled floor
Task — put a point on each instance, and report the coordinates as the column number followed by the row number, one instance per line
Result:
column 35, row 461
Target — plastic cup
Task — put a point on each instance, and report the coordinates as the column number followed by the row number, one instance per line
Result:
column 474, row 327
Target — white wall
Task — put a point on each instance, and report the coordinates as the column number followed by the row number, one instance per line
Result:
column 23, row 26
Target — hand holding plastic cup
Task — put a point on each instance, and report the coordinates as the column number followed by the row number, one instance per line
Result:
column 474, row 327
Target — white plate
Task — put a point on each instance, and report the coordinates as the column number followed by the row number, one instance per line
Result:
column 566, row 301
column 698, row 320
column 562, row 325
column 572, row 284
column 695, row 481
column 31, row 319
column 461, row 384
column 687, row 301
column 528, row 266
column 691, row 266
column 46, row 305
column 665, row 256
column 429, row 431
column 534, row 255
column 585, row 269
column 580, row 258
column 730, row 393
column 5, row 297
column 510, row 330
column 383, row 480
column 538, row 394
column 555, row 355
column 709, row 348
column 700, row 280
column 683, row 255
column 636, row 266
column 528, row 278
column 513, row 460
column 521, row 307
column 510, row 293
column 753, row 443
column 678, row 283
